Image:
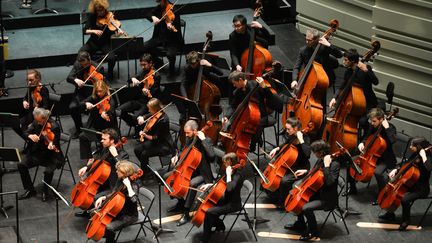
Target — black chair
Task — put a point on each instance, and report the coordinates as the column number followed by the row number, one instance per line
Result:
column 429, row 197
column 143, row 218
column 65, row 140
column 272, row 121
column 337, row 211
column 55, row 98
column 249, row 187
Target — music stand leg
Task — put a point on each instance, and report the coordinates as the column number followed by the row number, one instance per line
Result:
column 45, row 9
column 159, row 229
column 3, row 209
column 347, row 210
column 58, row 222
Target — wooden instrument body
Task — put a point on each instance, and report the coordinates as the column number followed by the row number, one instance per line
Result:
column 84, row 192
column 391, row 195
column 261, row 61
column 209, row 95
column 300, row 195
column 96, row 227
column 279, row 167
column 367, row 160
column 307, row 106
column 179, row 180
column 95, row 75
column 342, row 127
column 210, row 201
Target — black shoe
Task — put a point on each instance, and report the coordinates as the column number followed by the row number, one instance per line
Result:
column 403, row 226
column 351, row 191
column 220, row 227
column 374, row 203
column 184, row 219
column 27, row 194
column 389, row 216
column 308, row 237
column 297, row 226
column 176, row 208
column 83, row 214
column 76, row 134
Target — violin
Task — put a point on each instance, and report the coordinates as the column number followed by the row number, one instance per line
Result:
column 151, row 121
column 47, row 133
column 313, row 84
column 92, row 74
column 104, row 106
column 280, row 163
column 312, row 183
column 188, row 162
column 391, row 195
column 110, row 22
column 36, row 96
column 168, row 15
column 375, row 145
column 350, row 106
column 149, row 82
column 211, row 197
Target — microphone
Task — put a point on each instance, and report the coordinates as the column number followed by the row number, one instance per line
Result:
column 390, row 92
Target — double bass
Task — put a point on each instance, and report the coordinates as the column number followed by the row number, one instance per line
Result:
column 280, row 163
column 375, row 145
column 312, row 86
column 312, row 183
column 391, row 195
column 350, row 106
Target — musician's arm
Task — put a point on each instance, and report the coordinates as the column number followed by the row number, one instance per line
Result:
column 233, row 51
column 208, row 148
column 331, row 173
column 56, row 130
column 111, row 111
column 298, row 64
column 73, row 74
column 262, row 36
column 334, row 51
column 428, row 163
column 371, row 75
column 391, row 134
column 305, row 147
column 155, row 89
column 232, row 184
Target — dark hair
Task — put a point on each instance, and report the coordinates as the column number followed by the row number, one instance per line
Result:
column 320, row 146
column 83, row 56
column 146, row 57
column 231, row 158
column 112, row 134
column 352, row 55
column 294, row 122
column 242, row 19
column 236, row 76
column 419, row 143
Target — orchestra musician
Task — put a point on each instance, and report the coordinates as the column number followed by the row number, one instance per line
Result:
column 263, row 96
column 388, row 158
column 111, row 153
column 143, row 92
column 239, row 39
column 302, row 143
column 166, row 34
column 44, row 150
column 157, row 140
column 100, row 35
column 365, row 78
column 202, row 175
column 129, row 212
column 230, row 201
column 77, row 76
column 421, row 188
column 36, row 96
column 101, row 117
column 326, row 198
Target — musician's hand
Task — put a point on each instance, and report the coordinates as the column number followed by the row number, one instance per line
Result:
column 327, row 160
column 135, row 82
column 51, row 146
column 205, row 186
column 82, row 171
column 97, row 32
column 120, row 32
column 324, row 41
column 299, row 135
column 26, row 105
column 201, row 135
column 239, row 68
column 34, row 137
column 140, row 120
column 170, row 26
column 300, row 173
column 128, row 185
column 228, row 172
column 422, row 154
column 79, row 82
column 90, row 161
column 361, row 147
column 174, row 160
column 155, row 20
column 385, row 124
column 256, row 24
column 392, row 173
column 89, row 105
column 224, row 120
column 332, row 103
column 261, row 82
column 145, row 91
column 204, row 62
column 105, row 116
column 273, row 152
column 99, row 201
column 294, row 84
column 362, row 67
column 113, row 150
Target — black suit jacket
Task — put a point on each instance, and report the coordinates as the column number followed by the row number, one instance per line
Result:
column 388, row 156
column 161, row 134
column 329, row 192
column 154, row 89
column 162, row 33
column 95, row 120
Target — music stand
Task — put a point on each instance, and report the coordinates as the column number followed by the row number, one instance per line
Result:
column 187, row 107
column 218, row 61
column 129, row 45
column 45, row 9
column 7, row 120
column 160, row 229
column 9, row 154
column 59, row 196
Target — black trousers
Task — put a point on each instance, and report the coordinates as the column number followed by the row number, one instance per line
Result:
column 85, row 140
column 117, row 224
column 409, row 199
column 76, row 109
column 212, row 218
column 151, row 45
column 190, row 197
column 308, row 212
column 131, row 110
column 147, row 149
column 92, row 48
column 379, row 174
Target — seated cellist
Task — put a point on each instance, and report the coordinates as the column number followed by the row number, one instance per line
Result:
column 421, row 188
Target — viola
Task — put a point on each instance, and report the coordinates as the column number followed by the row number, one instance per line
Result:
column 211, row 197
column 168, row 15
column 312, row 183
column 375, row 145
column 313, row 84
column 49, row 135
column 36, row 96
column 150, row 123
column 350, row 106
column 104, row 106
column 391, row 195
column 282, row 162
column 92, row 74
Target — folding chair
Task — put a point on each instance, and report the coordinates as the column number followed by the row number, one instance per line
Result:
column 337, row 210
column 427, row 209
column 143, row 218
column 248, row 185
column 55, row 98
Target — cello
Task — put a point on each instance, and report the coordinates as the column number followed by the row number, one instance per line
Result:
column 350, row 106
column 312, row 86
column 312, row 183
column 391, row 195
column 375, row 145
column 280, row 163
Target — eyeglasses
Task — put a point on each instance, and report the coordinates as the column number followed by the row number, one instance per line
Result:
column 237, row 26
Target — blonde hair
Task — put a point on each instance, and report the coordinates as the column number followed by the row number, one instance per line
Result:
column 102, row 85
column 126, row 167
column 231, row 158
column 98, row 3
